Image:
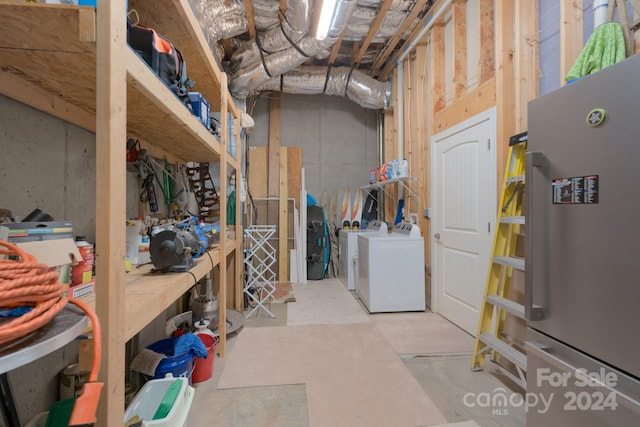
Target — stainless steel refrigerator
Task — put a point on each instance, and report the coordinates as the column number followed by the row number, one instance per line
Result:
column 583, row 252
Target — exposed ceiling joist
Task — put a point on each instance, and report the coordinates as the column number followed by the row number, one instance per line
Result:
column 391, row 62
column 335, row 49
column 375, row 26
column 228, row 49
column 393, row 42
column 251, row 19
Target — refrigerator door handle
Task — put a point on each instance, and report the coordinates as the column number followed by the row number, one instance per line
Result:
column 540, row 351
column 532, row 311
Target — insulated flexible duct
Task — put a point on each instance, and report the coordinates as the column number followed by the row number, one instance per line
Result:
column 342, row 81
column 252, row 76
column 220, row 19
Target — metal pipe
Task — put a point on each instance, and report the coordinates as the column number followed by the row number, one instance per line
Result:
column 400, row 109
column 380, row 157
column 424, row 31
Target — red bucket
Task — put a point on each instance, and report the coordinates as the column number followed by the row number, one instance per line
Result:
column 204, row 367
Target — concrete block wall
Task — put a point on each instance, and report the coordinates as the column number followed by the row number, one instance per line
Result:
column 337, row 136
column 49, row 164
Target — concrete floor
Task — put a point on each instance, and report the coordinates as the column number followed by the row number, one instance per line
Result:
column 460, row 394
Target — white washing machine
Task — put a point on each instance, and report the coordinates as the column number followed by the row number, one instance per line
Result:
column 390, row 273
column 348, row 251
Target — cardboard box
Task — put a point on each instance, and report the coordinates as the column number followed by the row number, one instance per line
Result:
column 58, row 254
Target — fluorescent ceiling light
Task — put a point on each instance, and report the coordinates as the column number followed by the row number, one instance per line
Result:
column 326, row 15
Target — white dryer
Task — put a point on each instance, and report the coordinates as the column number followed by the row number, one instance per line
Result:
column 390, row 275
column 348, row 251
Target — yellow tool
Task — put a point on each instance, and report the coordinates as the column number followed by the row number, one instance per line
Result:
column 496, row 303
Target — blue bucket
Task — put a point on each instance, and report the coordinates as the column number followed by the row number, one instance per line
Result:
column 179, row 365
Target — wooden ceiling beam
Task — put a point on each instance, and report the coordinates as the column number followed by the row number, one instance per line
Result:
column 228, row 49
column 393, row 42
column 390, row 64
column 336, row 48
column 373, row 30
column 251, row 19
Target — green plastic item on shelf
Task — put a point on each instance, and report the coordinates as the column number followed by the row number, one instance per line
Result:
column 168, row 400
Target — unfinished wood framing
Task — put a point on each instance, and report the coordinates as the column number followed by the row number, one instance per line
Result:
column 505, row 92
column 373, row 30
column 335, row 49
column 251, row 19
column 111, row 125
column 283, row 228
column 487, row 41
column 571, row 35
column 224, row 138
column 294, row 173
column 459, row 48
column 526, row 60
column 419, row 167
column 437, row 67
column 623, row 19
column 238, row 277
column 475, row 102
column 393, row 42
column 273, row 162
column 391, row 63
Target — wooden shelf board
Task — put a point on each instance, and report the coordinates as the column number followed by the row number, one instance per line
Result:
column 158, row 116
column 63, row 82
column 149, row 294
column 70, row 76
column 175, row 20
column 58, row 27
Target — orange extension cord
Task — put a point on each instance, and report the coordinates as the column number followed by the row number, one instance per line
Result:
column 25, row 281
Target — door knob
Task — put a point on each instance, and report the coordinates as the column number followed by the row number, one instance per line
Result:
column 437, row 236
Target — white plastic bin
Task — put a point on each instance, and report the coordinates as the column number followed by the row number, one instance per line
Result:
column 149, row 398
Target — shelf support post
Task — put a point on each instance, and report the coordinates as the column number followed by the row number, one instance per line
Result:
column 111, row 135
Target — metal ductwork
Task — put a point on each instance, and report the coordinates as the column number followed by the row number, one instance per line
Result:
column 221, row 19
column 283, row 43
column 254, row 75
column 342, row 81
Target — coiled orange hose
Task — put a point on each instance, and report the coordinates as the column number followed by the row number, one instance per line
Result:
column 25, row 281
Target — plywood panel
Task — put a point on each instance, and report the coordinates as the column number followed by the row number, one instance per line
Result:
column 283, row 250
column 258, row 171
column 294, row 173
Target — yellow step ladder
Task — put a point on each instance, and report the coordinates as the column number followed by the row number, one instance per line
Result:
column 496, row 303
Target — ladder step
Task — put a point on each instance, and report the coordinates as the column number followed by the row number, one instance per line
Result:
column 510, row 261
column 515, row 178
column 512, row 220
column 507, row 305
column 505, row 350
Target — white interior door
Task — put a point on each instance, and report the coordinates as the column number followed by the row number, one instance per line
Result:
column 464, row 199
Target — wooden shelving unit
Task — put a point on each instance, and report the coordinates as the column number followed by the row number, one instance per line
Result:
column 73, row 63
